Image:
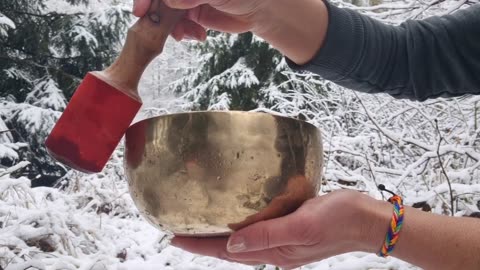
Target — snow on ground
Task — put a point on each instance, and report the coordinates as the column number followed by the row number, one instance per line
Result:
column 177, row 259
column 92, row 224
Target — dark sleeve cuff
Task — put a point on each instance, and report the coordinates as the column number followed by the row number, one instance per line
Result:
column 339, row 53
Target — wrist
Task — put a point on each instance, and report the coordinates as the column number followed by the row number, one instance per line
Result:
column 371, row 219
column 375, row 216
column 296, row 28
column 361, row 223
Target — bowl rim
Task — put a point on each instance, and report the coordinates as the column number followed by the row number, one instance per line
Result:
column 273, row 114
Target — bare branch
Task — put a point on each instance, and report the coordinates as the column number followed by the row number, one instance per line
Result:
column 452, row 198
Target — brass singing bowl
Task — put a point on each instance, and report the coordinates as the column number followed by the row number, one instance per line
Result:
column 211, row 173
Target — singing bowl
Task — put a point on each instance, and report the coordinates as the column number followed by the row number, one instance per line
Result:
column 210, row 173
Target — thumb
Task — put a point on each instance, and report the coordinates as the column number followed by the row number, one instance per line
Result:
column 284, row 231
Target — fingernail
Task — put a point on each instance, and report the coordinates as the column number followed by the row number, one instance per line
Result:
column 236, row 244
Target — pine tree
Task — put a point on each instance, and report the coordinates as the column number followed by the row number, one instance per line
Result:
column 238, row 72
column 46, row 48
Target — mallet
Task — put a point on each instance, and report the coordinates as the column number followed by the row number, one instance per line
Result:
column 106, row 102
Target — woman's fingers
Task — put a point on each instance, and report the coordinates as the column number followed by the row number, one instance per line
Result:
column 200, row 16
column 214, row 247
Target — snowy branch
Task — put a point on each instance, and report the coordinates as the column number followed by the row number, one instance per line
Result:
column 15, row 168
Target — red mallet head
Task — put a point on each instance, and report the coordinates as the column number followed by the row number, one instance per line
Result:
column 92, row 125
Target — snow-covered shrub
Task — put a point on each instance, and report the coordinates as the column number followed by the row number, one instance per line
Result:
column 89, row 221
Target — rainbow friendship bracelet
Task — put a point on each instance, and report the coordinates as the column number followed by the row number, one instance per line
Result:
column 395, row 225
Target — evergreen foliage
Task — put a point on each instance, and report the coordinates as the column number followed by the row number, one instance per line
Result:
column 46, row 48
column 238, row 72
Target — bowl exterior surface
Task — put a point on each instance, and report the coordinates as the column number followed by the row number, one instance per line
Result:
column 210, row 173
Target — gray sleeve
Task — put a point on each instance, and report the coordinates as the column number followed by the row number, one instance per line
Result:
column 438, row 56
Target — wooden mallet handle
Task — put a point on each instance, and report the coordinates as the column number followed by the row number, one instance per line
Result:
column 145, row 41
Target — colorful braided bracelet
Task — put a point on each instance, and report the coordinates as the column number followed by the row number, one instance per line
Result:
column 395, row 225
